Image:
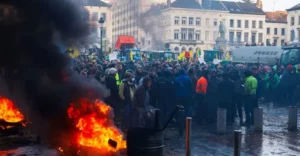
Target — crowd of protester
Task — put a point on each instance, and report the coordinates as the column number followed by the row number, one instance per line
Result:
column 137, row 88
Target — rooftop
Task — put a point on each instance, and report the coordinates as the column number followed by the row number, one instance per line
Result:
column 296, row 7
column 276, row 17
column 189, row 4
column 232, row 7
column 97, row 3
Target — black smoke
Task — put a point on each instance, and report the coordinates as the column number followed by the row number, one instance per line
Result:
column 35, row 70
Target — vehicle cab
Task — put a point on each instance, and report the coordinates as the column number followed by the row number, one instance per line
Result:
column 290, row 54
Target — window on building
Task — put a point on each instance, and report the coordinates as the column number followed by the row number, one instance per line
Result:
column 260, row 37
column 191, row 34
column 206, row 35
column 94, row 31
column 197, row 35
column 215, row 22
column 253, row 38
column 215, row 35
column 239, row 37
column 275, row 42
column 198, row 21
column 246, row 37
column 268, row 43
column 231, row 37
column 292, row 20
column 149, row 42
column 95, row 16
column 275, row 31
column 191, row 20
column 261, row 25
column 282, row 31
column 183, row 20
column 103, row 15
column 207, row 22
column 239, row 23
column 232, row 23
column 176, row 20
column 298, row 20
column 268, row 31
column 253, row 24
column 176, row 34
column 282, row 42
column 183, row 34
column 246, row 24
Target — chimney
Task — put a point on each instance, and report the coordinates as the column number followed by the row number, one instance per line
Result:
column 168, row 3
column 259, row 4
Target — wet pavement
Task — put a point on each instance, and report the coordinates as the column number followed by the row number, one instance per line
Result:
column 274, row 140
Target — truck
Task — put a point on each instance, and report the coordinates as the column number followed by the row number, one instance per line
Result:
column 290, row 54
column 268, row 55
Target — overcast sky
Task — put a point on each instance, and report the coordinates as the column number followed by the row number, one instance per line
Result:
column 279, row 4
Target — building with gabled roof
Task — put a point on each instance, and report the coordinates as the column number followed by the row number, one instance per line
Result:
column 293, row 23
column 276, row 27
column 192, row 24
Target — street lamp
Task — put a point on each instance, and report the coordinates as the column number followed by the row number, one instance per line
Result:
column 101, row 21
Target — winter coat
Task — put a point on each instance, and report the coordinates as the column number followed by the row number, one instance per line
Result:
column 141, row 97
column 226, row 91
column 183, row 85
column 126, row 92
column 250, row 85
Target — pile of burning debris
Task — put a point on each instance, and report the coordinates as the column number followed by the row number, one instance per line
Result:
column 94, row 131
column 11, row 119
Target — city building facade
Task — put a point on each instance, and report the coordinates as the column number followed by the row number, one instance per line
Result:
column 187, row 26
column 127, row 19
column 293, row 23
column 192, row 24
column 276, row 28
column 98, row 9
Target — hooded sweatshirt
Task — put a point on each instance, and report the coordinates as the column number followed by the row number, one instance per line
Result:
column 183, row 84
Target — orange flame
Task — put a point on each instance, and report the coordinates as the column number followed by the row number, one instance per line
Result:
column 95, row 125
column 8, row 112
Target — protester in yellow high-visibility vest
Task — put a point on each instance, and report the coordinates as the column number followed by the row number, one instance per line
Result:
column 131, row 56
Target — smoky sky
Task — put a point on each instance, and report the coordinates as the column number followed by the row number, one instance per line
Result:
column 33, row 67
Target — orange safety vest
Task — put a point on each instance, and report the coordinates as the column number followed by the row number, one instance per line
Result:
column 202, row 85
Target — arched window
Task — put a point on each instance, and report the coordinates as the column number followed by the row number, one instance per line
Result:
column 183, row 49
column 191, row 49
column 176, row 49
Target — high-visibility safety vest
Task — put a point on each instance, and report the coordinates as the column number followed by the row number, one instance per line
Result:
column 201, row 85
column 118, row 81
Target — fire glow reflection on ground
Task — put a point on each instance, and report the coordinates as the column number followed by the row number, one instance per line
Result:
column 95, row 125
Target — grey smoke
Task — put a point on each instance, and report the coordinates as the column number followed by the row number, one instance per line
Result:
column 34, row 69
column 150, row 26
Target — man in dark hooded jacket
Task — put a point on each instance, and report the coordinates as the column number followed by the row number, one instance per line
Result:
column 165, row 93
column 226, row 92
column 184, row 89
column 238, row 94
column 141, row 102
column 212, row 97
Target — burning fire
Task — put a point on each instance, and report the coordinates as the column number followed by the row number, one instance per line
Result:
column 96, row 129
column 8, row 112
